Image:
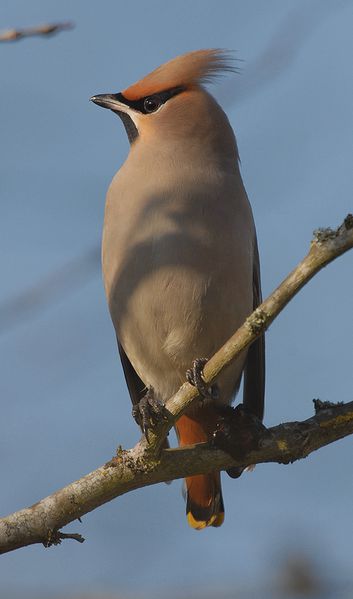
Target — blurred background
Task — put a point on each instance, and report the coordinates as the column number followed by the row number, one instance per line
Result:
column 288, row 530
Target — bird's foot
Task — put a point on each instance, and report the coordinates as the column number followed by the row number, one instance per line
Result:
column 195, row 378
column 238, row 432
column 149, row 411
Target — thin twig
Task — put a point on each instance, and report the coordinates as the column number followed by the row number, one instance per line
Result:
column 11, row 35
column 54, row 537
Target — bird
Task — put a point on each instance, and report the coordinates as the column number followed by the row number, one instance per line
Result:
column 180, row 257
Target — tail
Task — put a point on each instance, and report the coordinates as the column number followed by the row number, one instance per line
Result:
column 204, row 503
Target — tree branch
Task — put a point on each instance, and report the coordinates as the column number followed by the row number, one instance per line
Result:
column 11, row 35
column 145, row 464
column 326, row 245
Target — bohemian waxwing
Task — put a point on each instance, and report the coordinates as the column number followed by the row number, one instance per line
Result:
column 180, row 259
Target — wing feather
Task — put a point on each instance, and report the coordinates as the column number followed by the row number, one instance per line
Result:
column 254, row 372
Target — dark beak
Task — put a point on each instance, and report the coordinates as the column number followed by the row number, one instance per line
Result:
column 110, row 101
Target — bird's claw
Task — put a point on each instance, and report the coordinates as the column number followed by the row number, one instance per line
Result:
column 195, row 378
column 238, row 432
column 149, row 411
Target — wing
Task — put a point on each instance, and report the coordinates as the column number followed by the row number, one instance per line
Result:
column 136, row 386
column 254, row 372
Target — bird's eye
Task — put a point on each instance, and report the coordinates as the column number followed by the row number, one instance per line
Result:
column 152, row 103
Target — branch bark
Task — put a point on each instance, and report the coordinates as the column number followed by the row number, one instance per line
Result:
column 146, row 464
column 11, row 35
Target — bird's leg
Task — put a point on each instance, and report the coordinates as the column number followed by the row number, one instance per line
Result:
column 195, row 378
column 149, row 411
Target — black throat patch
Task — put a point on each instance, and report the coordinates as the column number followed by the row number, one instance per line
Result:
column 140, row 106
column 129, row 125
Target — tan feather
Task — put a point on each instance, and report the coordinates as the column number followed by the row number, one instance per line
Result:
column 193, row 68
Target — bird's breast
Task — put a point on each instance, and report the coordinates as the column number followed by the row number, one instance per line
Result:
column 177, row 265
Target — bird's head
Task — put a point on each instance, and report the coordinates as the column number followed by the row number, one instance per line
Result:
column 171, row 100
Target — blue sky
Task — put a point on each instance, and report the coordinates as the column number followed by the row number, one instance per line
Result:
column 65, row 406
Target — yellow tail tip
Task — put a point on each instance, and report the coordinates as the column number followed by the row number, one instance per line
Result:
column 215, row 520
column 218, row 519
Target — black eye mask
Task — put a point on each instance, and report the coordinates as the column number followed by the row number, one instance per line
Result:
column 146, row 105
column 151, row 103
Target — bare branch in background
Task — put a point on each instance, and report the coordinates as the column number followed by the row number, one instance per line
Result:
column 278, row 56
column 239, row 440
column 73, row 275
column 12, row 35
